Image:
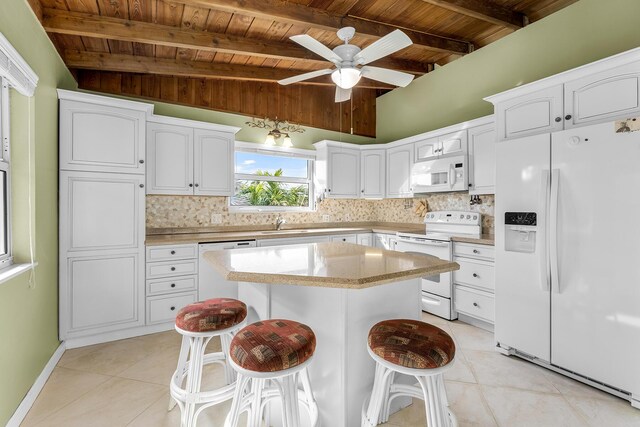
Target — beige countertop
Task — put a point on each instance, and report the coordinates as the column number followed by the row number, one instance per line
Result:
column 332, row 265
column 194, row 235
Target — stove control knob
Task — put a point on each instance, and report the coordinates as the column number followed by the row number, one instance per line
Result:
column 475, row 217
column 468, row 216
column 461, row 216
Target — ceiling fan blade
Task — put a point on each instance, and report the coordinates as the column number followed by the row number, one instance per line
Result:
column 384, row 75
column 316, row 47
column 305, row 76
column 392, row 42
column 342, row 94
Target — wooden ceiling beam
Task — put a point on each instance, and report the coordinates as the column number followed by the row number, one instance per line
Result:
column 297, row 14
column 485, row 10
column 88, row 25
column 170, row 67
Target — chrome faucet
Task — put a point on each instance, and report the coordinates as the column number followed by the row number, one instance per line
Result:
column 279, row 222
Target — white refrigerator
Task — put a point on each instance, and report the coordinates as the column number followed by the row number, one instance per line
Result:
column 568, row 253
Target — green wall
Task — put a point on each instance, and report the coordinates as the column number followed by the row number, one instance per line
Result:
column 581, row 33
column 29, row 314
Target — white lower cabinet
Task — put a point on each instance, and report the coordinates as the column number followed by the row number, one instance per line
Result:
column 382, row 240
column 365, row 239
column 474, row 282
column 347, row 238
column 172, row 281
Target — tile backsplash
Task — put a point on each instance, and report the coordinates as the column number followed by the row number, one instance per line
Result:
column 207, row 211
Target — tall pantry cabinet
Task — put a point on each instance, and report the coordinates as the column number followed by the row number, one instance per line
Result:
column 102, row 214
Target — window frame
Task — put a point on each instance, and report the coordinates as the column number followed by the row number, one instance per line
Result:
column 276, row 152
column 6, row 260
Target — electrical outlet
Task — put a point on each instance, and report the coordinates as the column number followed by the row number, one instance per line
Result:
column 216, row 218
column 347, row 217
column 326, row 218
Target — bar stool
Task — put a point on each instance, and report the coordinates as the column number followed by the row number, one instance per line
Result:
column 198, row 323
column 414, row 348
column 271, row 359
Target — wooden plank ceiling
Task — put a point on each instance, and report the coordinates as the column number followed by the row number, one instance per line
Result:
column 227, row 54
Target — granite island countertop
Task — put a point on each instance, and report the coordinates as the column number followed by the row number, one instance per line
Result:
column 331, row 265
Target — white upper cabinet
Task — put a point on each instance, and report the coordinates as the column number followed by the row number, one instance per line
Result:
column 535, row 113
column 482, row 159
column 101, row 138
column 602, row 91
column 213, row 163
column 170, row 159
column 399, row 164
column 372, row 176
column 603, row 96
column 184, row 160
column 450, row 143
column 338, row 170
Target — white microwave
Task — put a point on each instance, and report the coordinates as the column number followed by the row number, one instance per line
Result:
column 440, row 175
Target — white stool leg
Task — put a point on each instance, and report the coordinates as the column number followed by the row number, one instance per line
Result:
column 255, row 413
column 435, row 406
column 290, row 404
column 309, row 397
column 229, row 373
column 377, row 399
column 386, row 404
column 194, row 379
column 179, row 373
column 236, row 405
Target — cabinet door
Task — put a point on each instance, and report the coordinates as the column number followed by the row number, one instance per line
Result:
column 482, row 159
column 372, row 176
column 427, row 149
column 603, row 96
column 453, row 143
column 365, row 239
column 101, row 293
column 399, row 163
column 170, row 155
column 213, row 163
column 536, row 113
column 343, row 173
column 101, row 139
column 100, row 211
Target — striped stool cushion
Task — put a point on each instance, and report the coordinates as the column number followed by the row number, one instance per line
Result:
column 272, row 345
column 411, row 344
column 211, row 315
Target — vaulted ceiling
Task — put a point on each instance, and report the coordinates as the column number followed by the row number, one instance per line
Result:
column 228, row 54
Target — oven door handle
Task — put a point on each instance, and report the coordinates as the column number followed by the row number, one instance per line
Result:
column 423, row 242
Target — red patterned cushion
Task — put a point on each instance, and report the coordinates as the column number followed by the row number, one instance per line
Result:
column 211, row 315
column 412, row 344
column 272, row 345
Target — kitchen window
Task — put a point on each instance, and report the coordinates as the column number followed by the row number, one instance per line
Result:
column 5, row 210
column 272, row 180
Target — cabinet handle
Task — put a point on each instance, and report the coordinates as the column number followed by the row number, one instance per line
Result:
column 475, row 251
column 141, row 185
column 362, row 191
column 567, row 117
column 173, row 269
column 470, row 185
column 475, row 275
column 344, row 240
column 173, row 307
column 329, row 190
column 190, row 185
column 197, row 185
column 558, row 119
column 173, row 285
column 475, row 304
column 173, row 252
column 141, row 161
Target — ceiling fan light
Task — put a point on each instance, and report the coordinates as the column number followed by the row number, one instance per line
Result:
column 346, row 78
column 286, row 142
column 271, row 140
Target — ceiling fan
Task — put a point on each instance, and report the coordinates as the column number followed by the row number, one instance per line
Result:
column 350, row 61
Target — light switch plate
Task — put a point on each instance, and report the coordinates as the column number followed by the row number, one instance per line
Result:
column 216, row 218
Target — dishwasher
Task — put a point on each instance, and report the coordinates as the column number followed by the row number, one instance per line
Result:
column 211, row 284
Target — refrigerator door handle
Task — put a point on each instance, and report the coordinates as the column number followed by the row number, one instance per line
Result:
column 543, row 259
column 553, row 230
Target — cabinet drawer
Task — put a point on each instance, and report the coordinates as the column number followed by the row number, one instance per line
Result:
column 164, row 308
column 474, row 251
column 171, row 268
column 166, row 253
column 348, row 238
column 480, row 274
column 474, row 303
column 173, row 285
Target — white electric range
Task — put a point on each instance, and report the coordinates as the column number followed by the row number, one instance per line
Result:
column 440, row 227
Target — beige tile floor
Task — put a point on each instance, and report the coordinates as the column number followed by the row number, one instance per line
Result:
column 124, row 383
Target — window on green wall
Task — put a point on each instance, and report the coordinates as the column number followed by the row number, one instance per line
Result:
column 5, row 211
column 272, row 180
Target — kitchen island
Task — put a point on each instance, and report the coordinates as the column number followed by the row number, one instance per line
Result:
column 340, row 290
